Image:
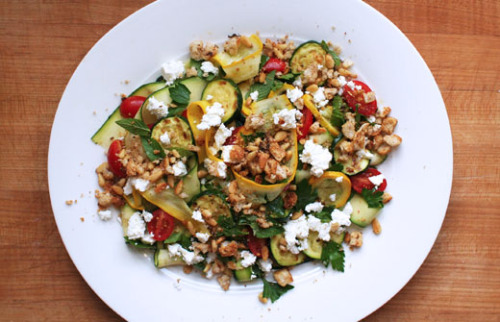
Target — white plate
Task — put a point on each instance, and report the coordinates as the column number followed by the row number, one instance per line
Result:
column 419, row 173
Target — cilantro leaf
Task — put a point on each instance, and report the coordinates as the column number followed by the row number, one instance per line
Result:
column 264, row 88
column 337, row 116
column 373, row 198
column 332, row 53
column 274, row 291
column 153, row 149
column 229, row 227
column 134, row 126
column 333, row 253
column 305, row 195
column 263, row 61
column 180, row 93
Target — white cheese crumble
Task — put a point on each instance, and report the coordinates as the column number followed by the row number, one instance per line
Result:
column 147, row 216
column 221, row 136
column 298, row 82
column 148, row 239
column 197, row 216
column 314, row 207
column 294, row 94
column 219, row 167
column 317, row 156
column 189, row 258
column 377, row 180
column 226, row 153
column 354, row 86
column 342, row 82
column 105, row 214
column 127, row 188
column 287, row 119
column 179, row 169
column 208, row 67
column 342, row 217
column 254, row 95
column 371, row 119
column 364, row 154
column 157, row 108
column 203, row 237
column 323, row 229
column 296, row 232
column 212, row 117
column 319, row 97
column 136, row 226
column 265, row 265
column 165, row 138
column 339, row 179
column 140, row 184
column 332, row 197
column 172, row 70
column 247, row 258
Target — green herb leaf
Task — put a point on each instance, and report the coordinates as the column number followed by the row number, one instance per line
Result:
column 305, row 195
column 264, row 88
column 174, row 111
column 259, row 232
column 174, row 237
column 139, row 244
column 290, row 77
column 274, row 291
column 263, row 61
column 180, row 93
column 135, row 126
column 324, row 215
column 229, row 227
column 252, row 137
column 332, row 53
column 333, row 253
column 153, row 149
column 277, row 85
column 337, row 115
column 336, row 167
column 275, row 208
column 373, row 198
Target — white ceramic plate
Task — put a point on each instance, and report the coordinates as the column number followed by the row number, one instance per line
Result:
column 419, row 173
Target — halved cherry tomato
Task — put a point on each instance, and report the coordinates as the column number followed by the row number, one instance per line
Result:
column 232, row 140
column 131, row 105
column 361, row 181
column 114, row 162
column 356, row 99
column 161, row 225
column 255, row 244
column 307, row 121
column 184, row 113
column 274, row 64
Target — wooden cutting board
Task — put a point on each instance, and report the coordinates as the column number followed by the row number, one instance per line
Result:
column 41, row 44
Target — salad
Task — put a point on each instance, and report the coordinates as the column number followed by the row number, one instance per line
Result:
column 247, row 160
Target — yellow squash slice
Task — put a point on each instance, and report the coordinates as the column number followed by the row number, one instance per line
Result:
column 309, row 103
column 330, row 183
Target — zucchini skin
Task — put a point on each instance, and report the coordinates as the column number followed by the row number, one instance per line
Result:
column 294, row 60
column 237, row 93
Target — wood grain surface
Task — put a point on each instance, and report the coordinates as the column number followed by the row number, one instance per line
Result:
column 41, row 44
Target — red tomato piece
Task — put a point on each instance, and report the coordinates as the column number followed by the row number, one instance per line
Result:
column 114, row 162
column 274, row 64
column 233, row 139
column 161, row 225
column 184, row 113
column 151, row 126
column 356, row 98
column 130, row 106
column 307, row 121
column 361, row 181
column 255, row 244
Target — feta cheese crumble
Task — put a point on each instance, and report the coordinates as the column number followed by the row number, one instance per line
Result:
column 294, row 94
column 323, row 229
column 148, row 238
column 314, row 207
column 140, row 184
column 317, row 156
column 354, row 86
column 157, row 108
column 298, row 82
column 208, row 67
column 188, row 257
column 332, row 197
column 377, row 180
column 247, row 258
column 203, row 237
column 342, row 217
column 172, row 70
column 319, row 97
column 197, row 216
column 216, row 168
column 179, row 169
column 165, row 138
column 342, row 82
column 147, row 216
column 265, row 265
column 254, row 95
column 226, row 153
column 339, row 179
column 136, row 226
column 364, row 154
column 287, row 119
column 221, row 136
column 212, row 117
column 296, row 232
column 105, row 214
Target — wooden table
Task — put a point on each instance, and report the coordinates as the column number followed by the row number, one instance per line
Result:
column 41, row 44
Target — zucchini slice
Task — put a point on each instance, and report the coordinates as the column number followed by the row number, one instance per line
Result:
column 178, row 131
column 109, row 129
column 162, row 95
column 352, row 166
column 327, row 184
column 243, row 274
column 362, row 215
column 164, row 259
column 191, row 183
column 306, row 54
column 315, row 245
column 125, row 213
column 227, row 93
column 269, row 106
column 196, row 85
column 213, row 202
column 284, row 258
column 377, row 159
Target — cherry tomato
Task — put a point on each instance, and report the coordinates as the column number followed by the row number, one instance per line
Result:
column 184, row 113
column 274, row 64
column 151, row 126
column 307, row 121
column 356, row 99
column 361, row 181
column 114, row 161
column 255, row 244
column 131, row 105
column 161, row 225
column 232, row 140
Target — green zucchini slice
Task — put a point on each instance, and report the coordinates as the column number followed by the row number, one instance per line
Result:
column 164, row 259
column 362, row 215
column 178, row 131
column 212, row 202
column 306, row 54
column 162, row 95
column 196, row 85
column 352, row 166
column 227, row 93
column 283, row 257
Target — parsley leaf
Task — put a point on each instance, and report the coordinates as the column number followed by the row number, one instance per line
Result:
column 263, row 61
column 373, row 198
column 324, row 215
column 332, row 53
column 276, row 209
column 134, row 126
column 229, row 227
column 153, row 149
column 333, row 253
column 337, row 115
column 180, row 93
column 259, row 232
column 264, row 88
column 274, row 291
column 306, row 194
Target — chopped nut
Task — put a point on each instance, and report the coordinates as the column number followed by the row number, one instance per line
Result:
column 377, row 229
column 228, row 249
column 69, row 202
column 329, row 62
column 265, row 253
column 393, row 140
column 187, row 269
column 224, row 281
column 262, row 299
column 283, row 277
column 386, row 197
column 296, row 215
column 388, row 125
column 356, row 239
column 178, row 188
